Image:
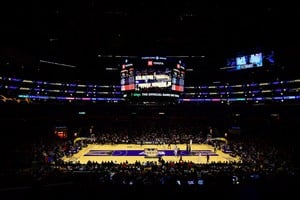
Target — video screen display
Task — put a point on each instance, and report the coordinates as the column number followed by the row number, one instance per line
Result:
column 241, row 60
column 256, row 59
column 153, row 75
column 178, row 79
column 151, row 79
column 127, row 78
column 245, row 62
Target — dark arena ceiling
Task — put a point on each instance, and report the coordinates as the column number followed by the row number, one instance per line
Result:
column 82, row 39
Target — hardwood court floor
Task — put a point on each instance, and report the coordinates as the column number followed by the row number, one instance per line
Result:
column 83, row 158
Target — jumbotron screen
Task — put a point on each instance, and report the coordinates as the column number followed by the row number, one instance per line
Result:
column 153, row 76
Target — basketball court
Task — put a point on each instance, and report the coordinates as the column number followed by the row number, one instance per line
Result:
column 119, row 153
